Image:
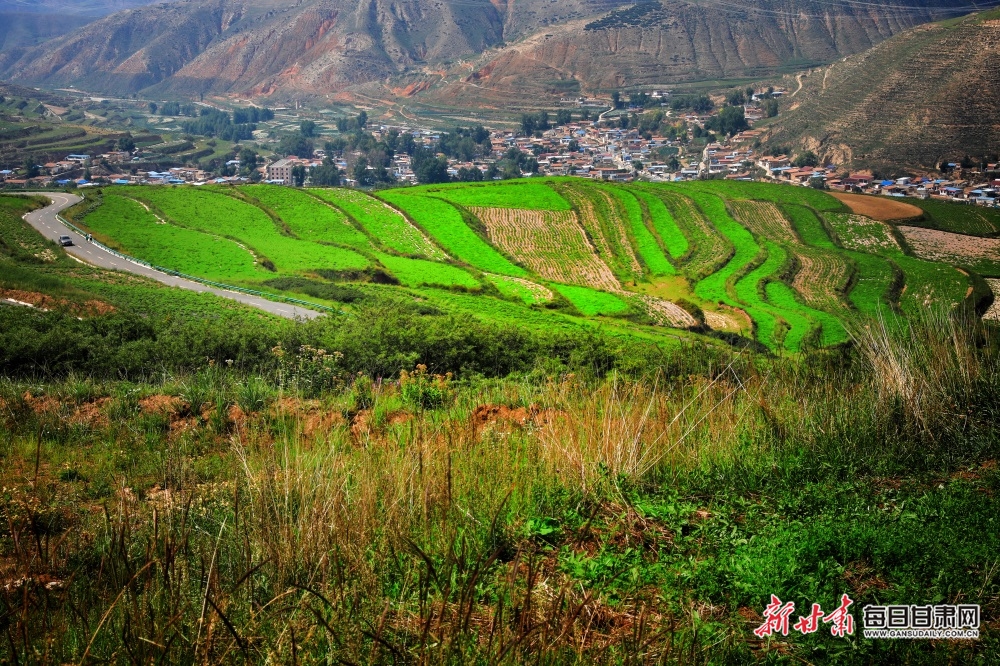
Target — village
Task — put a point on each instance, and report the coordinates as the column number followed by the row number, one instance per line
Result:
column 613, row 145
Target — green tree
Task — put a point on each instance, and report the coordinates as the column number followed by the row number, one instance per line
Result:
column 248, row 161
column 730, row 120
column 126, row 143
column 327, row 175
column 308, row 128
column 470, row 175
column 564, row 117
column 295, row 144
column 298, row 175
column 806, row 159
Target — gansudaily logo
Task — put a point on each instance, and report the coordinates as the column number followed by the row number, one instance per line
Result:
column 890, row 621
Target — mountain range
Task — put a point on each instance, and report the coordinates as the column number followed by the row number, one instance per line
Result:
column 465, row 51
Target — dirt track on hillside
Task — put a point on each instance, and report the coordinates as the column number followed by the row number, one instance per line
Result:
column 878, row 208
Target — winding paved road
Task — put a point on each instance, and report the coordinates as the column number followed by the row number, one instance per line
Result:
column 46, row 221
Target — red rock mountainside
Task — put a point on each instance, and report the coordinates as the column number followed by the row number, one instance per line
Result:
column 515, row 47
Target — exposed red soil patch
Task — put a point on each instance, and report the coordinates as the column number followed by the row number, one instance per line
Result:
column 42, row 404
column 91, row 308
column 518, row 416
column 878, row 208
column 162, row 404
column 362, row 423
column 92, row 414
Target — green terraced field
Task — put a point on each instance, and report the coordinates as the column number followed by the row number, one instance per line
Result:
column 792, row 258
column 670, row 235
column 957, row 217
column 137, row 232
column 386, row 225
column 445, row 224
column 524, row 195
column 306, row 219
column 223, row 215
column 649, row 250
column 417, row 272
column 592, row 302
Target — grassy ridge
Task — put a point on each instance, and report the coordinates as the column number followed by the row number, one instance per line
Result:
column 516, row 288
column 670, row 234
column 306, row 219
column 445, row 223
column 649, row 250
column 592, row 302
column 415, row 272
column 127, row 225
column 223, row 215
column 384, row 224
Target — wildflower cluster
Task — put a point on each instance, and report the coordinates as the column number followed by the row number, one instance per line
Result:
column 310, row 370
column 424, row 390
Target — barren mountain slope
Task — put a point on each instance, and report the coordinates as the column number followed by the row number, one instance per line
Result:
column 675, row 40
column 928, row 95
column 26, row 23
column 524, row 47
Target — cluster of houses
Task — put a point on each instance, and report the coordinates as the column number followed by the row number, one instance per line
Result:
column 982, row 187
column 581, row 149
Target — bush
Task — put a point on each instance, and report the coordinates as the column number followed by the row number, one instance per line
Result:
column 423, row 390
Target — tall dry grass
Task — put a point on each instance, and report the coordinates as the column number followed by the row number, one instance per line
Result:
column 402, row 534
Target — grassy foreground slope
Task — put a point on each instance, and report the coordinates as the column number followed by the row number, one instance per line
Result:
column 788, row 266
column 438, row 476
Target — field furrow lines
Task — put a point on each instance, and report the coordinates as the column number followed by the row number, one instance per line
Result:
column 551, row 243
column 709, row 250
column 383, row 222
column 603, row 218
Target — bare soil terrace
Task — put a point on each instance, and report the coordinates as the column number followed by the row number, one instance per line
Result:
column 878, row 208
column 951, row 248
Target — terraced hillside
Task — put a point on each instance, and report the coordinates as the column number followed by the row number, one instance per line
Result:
column 792, row 268
column 921, row 98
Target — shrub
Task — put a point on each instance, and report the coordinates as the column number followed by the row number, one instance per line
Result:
column 423, row 390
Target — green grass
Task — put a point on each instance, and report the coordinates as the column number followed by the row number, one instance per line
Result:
column 383, row 223
column 217, row 213
column 876, row 277
column 127, row 225
column 780, row 194
column 307, row 218
column 592, row 302
column 673, row 239
column 444, row 222
column 957, row 218
column 514, row 288
column 415, row 272
column 649, row 250
column 930, row 284
column 523, row 194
